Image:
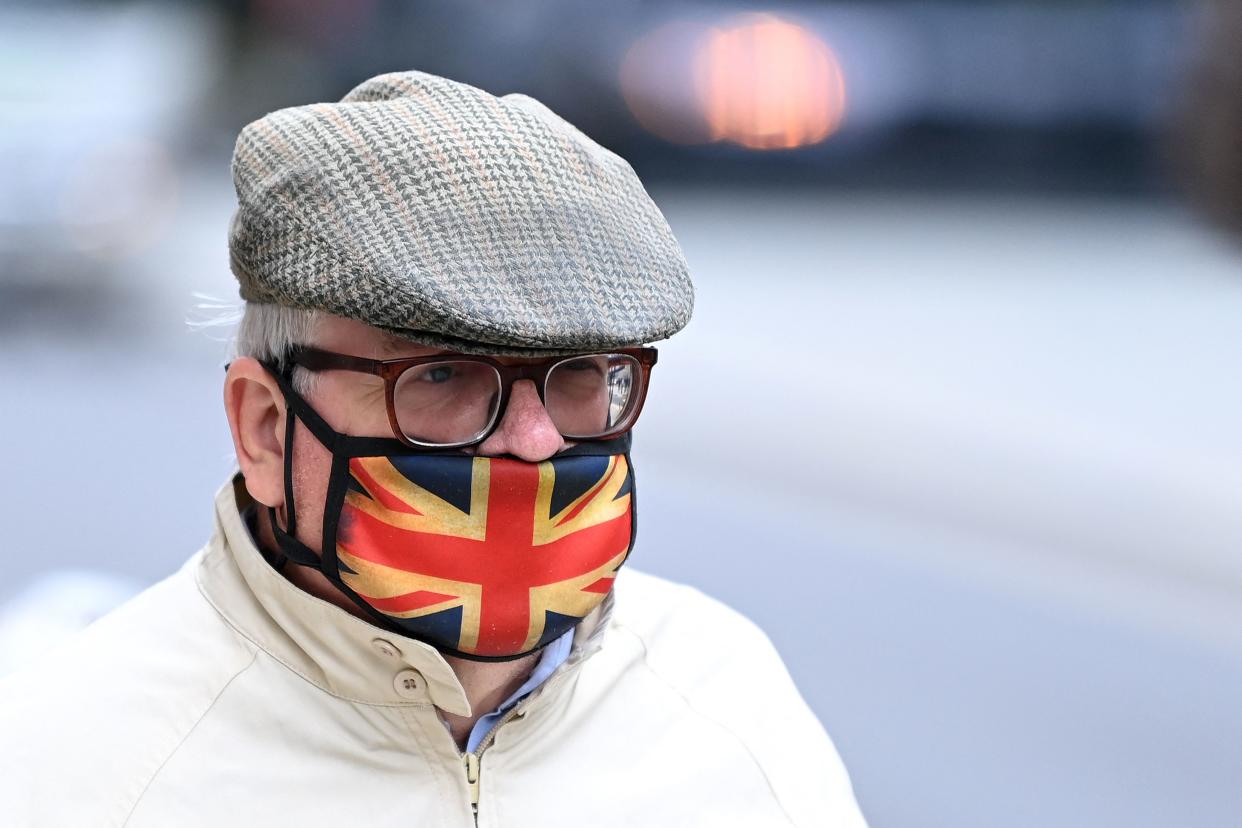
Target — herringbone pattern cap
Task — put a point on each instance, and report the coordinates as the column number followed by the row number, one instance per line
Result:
column 441, row 213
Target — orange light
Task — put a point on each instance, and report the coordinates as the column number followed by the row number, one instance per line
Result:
column 766, row 83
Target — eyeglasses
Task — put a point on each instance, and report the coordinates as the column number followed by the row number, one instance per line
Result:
column 455, row 400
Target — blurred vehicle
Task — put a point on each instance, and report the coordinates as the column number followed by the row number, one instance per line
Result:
column 95, row 101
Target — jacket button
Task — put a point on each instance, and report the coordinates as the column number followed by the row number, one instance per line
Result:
column 385, row 648
column 408, row 684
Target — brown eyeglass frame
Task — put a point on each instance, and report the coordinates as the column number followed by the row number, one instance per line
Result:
column 537, row 371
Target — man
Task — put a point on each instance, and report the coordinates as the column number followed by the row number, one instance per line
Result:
column 413, row 610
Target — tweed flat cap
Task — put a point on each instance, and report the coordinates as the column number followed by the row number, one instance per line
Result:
column 444, row 214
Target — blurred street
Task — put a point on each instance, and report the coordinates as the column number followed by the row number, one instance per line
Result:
column 972, row 464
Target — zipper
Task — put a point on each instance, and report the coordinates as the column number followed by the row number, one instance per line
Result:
column 473, row 761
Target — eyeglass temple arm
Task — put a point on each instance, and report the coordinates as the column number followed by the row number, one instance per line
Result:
column 317, row 360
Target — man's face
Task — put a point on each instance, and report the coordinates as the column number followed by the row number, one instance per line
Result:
column 353, row 403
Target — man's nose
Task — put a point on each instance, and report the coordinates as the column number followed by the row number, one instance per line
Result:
column 525, row 429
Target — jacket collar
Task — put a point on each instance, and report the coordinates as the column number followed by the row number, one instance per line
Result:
column 329, row 647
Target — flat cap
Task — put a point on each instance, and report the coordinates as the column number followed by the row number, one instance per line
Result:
column 444, row 214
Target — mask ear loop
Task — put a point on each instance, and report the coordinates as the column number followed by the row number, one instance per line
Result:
column 292, row 549
column 633, row 504
column 338, row 483
column 291, row 513
column 281, row 558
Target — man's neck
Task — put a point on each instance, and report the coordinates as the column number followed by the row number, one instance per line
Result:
column 487, row 683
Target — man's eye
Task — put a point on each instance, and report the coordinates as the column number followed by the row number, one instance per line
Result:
column 438, row 374
column 580, row 365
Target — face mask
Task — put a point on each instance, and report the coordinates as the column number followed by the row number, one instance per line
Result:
column 488, row 558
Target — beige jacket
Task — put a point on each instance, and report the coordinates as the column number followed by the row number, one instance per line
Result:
column 225, row 696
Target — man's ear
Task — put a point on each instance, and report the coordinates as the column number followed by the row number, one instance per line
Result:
column 256, row 411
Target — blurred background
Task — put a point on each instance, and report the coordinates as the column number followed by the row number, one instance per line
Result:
column 956, row 421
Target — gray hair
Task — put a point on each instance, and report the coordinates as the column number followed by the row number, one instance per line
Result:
column 268, row 332
column 264, row 331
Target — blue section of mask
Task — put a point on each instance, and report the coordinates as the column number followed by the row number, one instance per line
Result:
column 448, row 476
column 442, row 626
column 574, row 477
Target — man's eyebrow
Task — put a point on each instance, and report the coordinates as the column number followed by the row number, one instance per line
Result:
column 393, row 345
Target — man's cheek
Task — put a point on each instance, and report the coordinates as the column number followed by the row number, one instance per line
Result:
column 311, row 465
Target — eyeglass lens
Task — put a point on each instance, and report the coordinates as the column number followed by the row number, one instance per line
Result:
column 456, row 401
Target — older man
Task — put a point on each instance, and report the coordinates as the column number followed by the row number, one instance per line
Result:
column 414, row 609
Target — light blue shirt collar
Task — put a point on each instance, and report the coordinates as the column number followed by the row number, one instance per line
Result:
column 554, row 656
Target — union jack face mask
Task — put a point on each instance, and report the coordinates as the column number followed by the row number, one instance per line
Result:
column 487, row 558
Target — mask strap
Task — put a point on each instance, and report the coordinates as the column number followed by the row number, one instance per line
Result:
column 316, row 424
column 338, row 445
column 292, row 548
column 334, row 441
column 296, row 408
column 338, row 483
column 291, row 513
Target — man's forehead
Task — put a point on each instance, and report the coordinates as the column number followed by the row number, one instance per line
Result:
column 349, row 336
column 395, row 346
